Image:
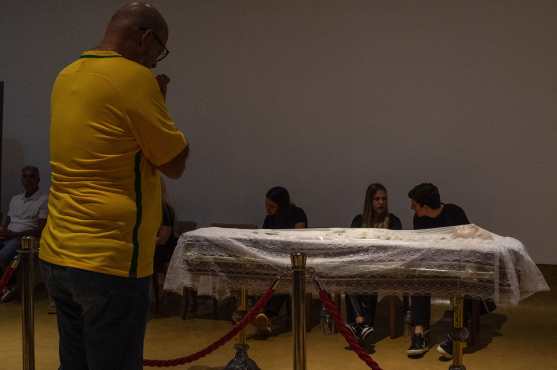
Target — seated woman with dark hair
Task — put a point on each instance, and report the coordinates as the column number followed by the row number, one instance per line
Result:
column 281, row 214
column 361, row 308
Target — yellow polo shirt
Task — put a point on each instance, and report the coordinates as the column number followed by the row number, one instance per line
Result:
column 109, row 132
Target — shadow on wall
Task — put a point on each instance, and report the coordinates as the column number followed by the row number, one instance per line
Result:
column 13, row 161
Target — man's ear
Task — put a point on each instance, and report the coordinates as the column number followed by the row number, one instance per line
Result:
column 145, row 36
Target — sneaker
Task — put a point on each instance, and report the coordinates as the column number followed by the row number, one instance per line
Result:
column 446, row 348
column 263, row 326
column 354, row 329
column 365, row 332
column 418, row 345
column 7, row 295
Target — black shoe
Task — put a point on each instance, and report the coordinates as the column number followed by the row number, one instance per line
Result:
column 418, row 345
column 446, row 348
column 7, row 295
column 365, row 332
column 354, row 329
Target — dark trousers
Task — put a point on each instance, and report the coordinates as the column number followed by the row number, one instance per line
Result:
column 421, row 309
column 8, row 250
column 101, row 318
column 362, row 305
column 275, row 304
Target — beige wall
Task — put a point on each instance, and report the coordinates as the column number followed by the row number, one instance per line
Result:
column 326, row 96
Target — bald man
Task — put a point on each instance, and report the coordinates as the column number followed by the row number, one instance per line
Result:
column 110, row 137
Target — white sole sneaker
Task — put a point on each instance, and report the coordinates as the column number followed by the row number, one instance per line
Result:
column 416, row 352
column 444, row 353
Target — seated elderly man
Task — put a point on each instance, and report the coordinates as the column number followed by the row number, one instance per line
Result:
column 26, row 216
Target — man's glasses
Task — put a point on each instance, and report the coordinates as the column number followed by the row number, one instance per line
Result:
column 165, row 51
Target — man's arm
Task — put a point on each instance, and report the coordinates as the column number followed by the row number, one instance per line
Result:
column 36, row 232
column 164, row 234
column 175, row 168
column 161, row 143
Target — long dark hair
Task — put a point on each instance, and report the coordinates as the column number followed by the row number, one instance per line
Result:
column 281, row 197
column 369, row 218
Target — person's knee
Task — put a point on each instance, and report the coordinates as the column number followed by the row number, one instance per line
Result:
column 8, row 251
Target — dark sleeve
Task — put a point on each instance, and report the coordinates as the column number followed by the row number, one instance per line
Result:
column 419, row 223
column 300, row 216
column 357, row 221
column 394, row 223
column 266, row 222
column 166, row 216
column 460, row 217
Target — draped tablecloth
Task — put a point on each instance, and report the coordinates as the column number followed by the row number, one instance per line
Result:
column 453, row 261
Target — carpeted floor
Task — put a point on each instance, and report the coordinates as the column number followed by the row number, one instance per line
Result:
column 522, row 337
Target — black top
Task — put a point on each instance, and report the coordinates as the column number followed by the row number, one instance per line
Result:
column 286, row 220
column 451, row 215
column 163, row 253
column 168, row 217
column 394, row 222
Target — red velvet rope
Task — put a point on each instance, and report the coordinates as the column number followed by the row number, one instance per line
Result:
column 347, row 334
column 212, row 347
column 8, row 274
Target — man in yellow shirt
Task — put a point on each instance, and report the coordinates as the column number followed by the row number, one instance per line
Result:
column 110, row 136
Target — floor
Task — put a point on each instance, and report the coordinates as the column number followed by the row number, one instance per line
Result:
column 522, row 337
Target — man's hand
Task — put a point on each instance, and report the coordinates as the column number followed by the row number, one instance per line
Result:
column 163, row 81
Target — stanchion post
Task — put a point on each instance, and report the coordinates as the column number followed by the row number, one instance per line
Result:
column 298, row 309
column 27, row 258
column 459, row 334
column 241, row 360
column 242, row 340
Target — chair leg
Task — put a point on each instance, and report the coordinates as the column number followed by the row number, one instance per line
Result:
column 215, row 308
column 186, row 302
column 392, row 317
column 309, row 317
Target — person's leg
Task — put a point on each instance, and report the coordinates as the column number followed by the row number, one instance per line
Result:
column 275, row 304
column 269, row 318
column 421, row 311
column 8, row 250
column 70, row 324
column 115, row 311
column 371, row 308
column 368, row 304
column 357, row 311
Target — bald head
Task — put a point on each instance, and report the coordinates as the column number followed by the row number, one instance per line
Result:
column 135, row 31
column 137, row 14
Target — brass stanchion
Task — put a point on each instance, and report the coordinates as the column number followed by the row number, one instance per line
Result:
column 241, row 360
column 459, row 334
column 27, row 258
column 299, row 309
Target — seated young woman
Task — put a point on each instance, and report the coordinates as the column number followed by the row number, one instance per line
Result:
column 281, row 214
column 361, row 308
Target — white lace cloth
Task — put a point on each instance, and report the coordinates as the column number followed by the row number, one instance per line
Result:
column 461, row 260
